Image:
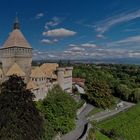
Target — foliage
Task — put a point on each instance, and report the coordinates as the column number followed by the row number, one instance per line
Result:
column 80, row 103
column 122, row 79
column 126, row 124
column 59, row 110
column 100, row 136
column 91, row 134
column 122, row 91
column 19, row 118
column 99, row 93
column 135, row 95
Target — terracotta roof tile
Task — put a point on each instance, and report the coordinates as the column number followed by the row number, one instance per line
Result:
column 31, row 85
column 37, row 72
column 15, row 69
column 48, row 69
column 16, row 39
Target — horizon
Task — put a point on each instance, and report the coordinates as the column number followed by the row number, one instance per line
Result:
column 72, row 30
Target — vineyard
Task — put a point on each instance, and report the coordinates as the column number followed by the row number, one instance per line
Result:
column 126, row 125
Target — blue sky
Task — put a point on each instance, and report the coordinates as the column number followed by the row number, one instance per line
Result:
column 76, row 29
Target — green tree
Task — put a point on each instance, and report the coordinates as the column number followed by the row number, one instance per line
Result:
column 99, row 93
column 59, row 110
column 135, row 96
column 122, row 91
column 19, row 118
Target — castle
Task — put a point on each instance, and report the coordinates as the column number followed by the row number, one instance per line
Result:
column 16, row 56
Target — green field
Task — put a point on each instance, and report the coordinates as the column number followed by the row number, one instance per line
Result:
column 100, row 136
column 126, row 124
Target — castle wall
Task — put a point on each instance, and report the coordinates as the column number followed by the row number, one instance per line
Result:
column 22, row 56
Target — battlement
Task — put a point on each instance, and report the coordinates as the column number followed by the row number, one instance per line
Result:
column 15, row 52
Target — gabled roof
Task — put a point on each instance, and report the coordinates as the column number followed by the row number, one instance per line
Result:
column 15, row 69
column 48, row 69
column 31, row 85
column 16, row 39
column 37, row 73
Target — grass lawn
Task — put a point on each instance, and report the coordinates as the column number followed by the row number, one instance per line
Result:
column 100, row 136
column 126, row 124
column 94, row 111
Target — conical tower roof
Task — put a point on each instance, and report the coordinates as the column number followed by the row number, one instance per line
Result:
column 16, row 38
column 15, row 69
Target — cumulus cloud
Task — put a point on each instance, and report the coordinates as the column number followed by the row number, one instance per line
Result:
column 77, row 49
column 53, row 22
column 89, row 45
column 59, row 33
column 49, row 41
column 39, row 15
column 98, row 53
column 84, row 45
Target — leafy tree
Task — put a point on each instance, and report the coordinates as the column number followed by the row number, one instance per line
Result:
column 122, row 91
column 99, row 93
column 135, row 96
column 19, row 118
column 59, row 110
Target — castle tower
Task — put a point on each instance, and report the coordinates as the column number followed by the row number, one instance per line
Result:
column 17, row 50
column 64, row 78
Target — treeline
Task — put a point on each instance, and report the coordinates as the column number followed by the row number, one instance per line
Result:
column 123, row 80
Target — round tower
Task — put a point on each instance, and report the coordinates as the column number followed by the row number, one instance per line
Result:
column 16, row 49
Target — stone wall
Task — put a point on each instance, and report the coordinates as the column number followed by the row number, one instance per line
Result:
column 64, row 77
column 22, row 56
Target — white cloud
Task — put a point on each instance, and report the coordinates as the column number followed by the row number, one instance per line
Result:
column 134, row 54
column 59, row 33
column 103, row 26
column 84, row 45
column 100, row 36
column 98, row 53
column 53, row 22
column 51, row 56
column 89, row 45
column 134, row 40
column 48, row 41
column 77, row 49
column 39, row 15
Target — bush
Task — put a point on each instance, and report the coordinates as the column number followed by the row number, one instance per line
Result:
column 59, row 110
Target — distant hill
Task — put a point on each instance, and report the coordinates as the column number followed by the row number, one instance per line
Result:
column 97, row 61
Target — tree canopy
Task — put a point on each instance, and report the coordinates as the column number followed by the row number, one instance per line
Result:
column 99, row 93
column 59, row 110
column 19, row 118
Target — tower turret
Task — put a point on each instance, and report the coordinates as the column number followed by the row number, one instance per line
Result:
column 16, row 49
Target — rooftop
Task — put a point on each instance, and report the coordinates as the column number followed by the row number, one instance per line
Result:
column 15, row 69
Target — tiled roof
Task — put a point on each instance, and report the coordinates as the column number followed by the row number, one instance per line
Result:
column 37, row 72
column 79, row 81
column 15, row 69
column 16, row 39
column 48, row 69
column 31, row 85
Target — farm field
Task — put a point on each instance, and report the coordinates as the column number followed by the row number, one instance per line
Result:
column 125, row 124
